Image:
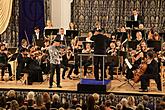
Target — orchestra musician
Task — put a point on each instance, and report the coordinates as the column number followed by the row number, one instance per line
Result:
column 75, row 48
column 137, row 57
column 24, row 44
column 45, row 64
column 150, row 73
column 54, row 55
column 22, row 62
column 138, row 39
column 61, row 36
column 49, row 25
column 89, row 35
column 98, row 27
column 35, row 71
column 64, row 60
column 136, row 17
column 72, row 26
column 38, row 38
column 100, row 44
column 4, row 62
column 112, row 52
column 87, row 60
column 151, row 34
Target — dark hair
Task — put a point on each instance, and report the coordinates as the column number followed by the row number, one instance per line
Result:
column 23, row 50
column 134, row 9
column 150, row 53
column 36, row 27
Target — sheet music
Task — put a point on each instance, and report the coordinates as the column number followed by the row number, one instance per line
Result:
column 128, row 63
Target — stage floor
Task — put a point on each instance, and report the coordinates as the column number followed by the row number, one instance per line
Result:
column 71, row 85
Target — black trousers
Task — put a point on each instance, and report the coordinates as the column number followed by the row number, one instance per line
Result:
column 9, row 69
column 98, row 64
column 145, row 80
column 54, row 67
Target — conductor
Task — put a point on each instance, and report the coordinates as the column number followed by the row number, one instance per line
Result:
column 100, row 43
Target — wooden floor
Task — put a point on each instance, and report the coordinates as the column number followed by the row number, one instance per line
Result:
column 71, row 85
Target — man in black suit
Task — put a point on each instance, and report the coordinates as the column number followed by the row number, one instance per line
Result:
column 38, row 38
column 137, row 17
column 100, row 44
column 61, row 36
column 150, row 73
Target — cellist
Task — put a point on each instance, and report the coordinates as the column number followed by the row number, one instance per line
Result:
column 150, row 73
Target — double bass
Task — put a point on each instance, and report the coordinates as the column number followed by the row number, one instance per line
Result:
column 140, row 71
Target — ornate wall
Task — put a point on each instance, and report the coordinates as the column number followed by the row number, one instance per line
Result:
column 11, row 34
column 113, row 13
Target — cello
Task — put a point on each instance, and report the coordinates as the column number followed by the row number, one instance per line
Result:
column 140, row 71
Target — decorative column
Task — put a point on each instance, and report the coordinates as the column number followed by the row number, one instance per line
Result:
column 61, row 13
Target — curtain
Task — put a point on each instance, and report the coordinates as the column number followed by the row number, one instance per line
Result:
column 5, row 14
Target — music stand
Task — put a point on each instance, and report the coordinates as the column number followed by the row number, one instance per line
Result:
column 71, row 33
column 162, row 35
column 81, row 38
column 132, row 44
column 49, row 32
column 132, row 24
column 13, row 57
column 12, row 50
column 85, row 42
column 127, row 81
column 156, row 45
column 122, row 36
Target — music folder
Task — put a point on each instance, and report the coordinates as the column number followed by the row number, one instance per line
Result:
column 156, row 45
column 122, row 36
column 85, row 42
column 71, row 33
column 51, row 32
column 162, row 35
column 13, row 57
column 132, row 24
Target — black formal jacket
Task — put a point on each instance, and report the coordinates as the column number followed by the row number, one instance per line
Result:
column 152, row 68
column 100, row 43
column 139, row 19
column 38, row 42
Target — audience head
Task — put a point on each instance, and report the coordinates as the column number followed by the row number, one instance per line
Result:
column 46, row 97
column 96, row 97
column 90, row 102
column 55, row 98
column 11, row 95
column 20, row 100
column 30, row 96
column 111, row 96
column 2, row 101
column 39, row 100
column 124, row 102
column 140, row 107
column 66, row 106
column 14, row 105
column 131, row 101
column 119, row 107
